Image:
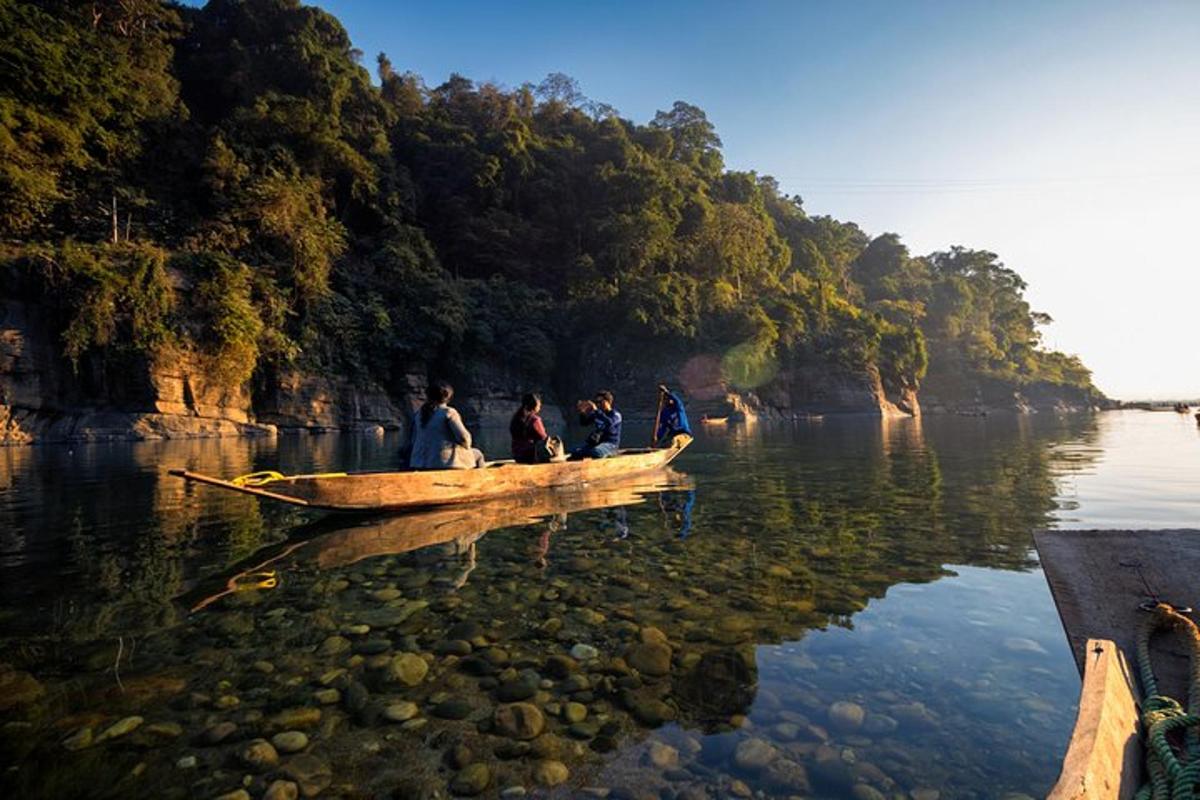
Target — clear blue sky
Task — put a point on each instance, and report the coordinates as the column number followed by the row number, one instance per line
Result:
column 1064, row 136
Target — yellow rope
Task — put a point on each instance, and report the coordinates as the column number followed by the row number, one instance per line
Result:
column 257, row 478
column 268, row 476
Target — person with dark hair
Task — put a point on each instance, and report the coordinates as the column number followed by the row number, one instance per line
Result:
column 439, row 438
column 527, row 430
column 672, row 417
column 605, row 421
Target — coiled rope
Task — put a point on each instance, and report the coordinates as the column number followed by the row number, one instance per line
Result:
column 257, row 478
column 269, row 476
column 1171, row 777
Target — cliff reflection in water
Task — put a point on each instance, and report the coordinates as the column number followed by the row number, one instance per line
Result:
column 662, row 636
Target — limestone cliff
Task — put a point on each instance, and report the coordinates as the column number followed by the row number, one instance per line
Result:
column 964, row 393
column 789, row 390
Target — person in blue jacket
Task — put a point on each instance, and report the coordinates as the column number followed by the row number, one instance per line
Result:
column 672, row 418
column 605, row 421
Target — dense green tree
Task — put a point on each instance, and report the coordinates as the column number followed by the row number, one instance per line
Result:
column 239, row 152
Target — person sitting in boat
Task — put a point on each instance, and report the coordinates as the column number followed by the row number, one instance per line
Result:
column 528, row 432
column 440, row 440
column 672, row 417
column 605, row 438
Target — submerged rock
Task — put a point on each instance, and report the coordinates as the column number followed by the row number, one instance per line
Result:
column 662, row 756
column 520, row 688
column 334, row 646
column 560, row 666
column 647, row 709
column 584, row 652
column 408, row 669
column 400, row 712
column 299, row 717
column 471, row 780
column 862, row 791
column 218, row 733
column 519, row 721
column 754, row 754
column 281, row 790
column 550, row 773
column 650, row 658
column 311, row 774
column 79, row 740
column 788, row 776
column 120, row 728
column 846, row 716
column 454, row 708
column 18, row 688
column 290, row 741
column 258, row 755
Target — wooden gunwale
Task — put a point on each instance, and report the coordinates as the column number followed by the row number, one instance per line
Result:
column 419, row 490
column 1098, row 580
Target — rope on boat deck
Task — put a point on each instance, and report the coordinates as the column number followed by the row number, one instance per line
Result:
column 270, row 476
column 1170, row 777
column 257, row 478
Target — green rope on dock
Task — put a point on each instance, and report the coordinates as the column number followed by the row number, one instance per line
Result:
column 1171, row 777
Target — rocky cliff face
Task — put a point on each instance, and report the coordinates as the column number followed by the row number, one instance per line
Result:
column 952, row 393
column 43, row 398
column 290, row 399
column 817, row 387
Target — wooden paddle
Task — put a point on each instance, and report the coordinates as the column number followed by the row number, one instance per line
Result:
column 657, row 417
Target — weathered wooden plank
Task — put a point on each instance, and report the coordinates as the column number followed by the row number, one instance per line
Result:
column 1099, row 578
column 1103, row 760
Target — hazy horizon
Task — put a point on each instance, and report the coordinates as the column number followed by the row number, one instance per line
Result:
column 1060, row 137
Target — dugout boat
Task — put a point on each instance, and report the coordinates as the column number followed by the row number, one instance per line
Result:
column 340, row 541
column 417, row 490
column 1125, row 599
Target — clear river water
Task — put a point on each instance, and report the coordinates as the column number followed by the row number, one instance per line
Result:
column 838, row 609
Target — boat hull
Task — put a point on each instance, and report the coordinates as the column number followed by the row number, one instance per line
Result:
column 397, row 491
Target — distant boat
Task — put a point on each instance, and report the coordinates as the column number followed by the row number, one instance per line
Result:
column 423, row 489
column 714, row 420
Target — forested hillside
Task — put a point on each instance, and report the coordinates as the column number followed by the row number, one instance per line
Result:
column 228, row 185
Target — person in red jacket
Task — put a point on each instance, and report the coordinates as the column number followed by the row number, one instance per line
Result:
column 527, row 430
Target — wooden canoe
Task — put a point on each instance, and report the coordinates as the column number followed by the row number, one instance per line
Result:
column 398, row 491
column 340, row 541
column 1099, row 580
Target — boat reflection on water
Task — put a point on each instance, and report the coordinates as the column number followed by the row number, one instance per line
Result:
column 336, row 541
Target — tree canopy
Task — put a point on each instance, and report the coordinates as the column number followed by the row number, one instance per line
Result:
column 240, row 155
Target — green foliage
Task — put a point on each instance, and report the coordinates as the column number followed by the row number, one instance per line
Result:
column 231, row 326
column 110, row 294
column 319, row 220
column 83, row 87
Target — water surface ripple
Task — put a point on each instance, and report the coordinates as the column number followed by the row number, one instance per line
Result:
column 850, row 608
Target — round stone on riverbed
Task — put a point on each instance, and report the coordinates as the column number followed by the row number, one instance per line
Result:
column 519, row 721
column 471, row 780
column 551, row 773
column 846, row 716
column 290, row 741
column 400, row 712
column 408, row 669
